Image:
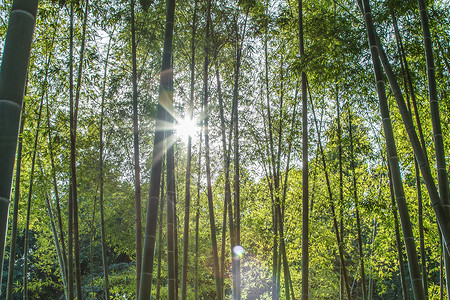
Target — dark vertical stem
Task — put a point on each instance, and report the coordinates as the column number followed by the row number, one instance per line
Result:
column 102, row 218
column 12, row 255
column 165, row 97
column 341, row 187
column 137, row 168
column 73, row 136
column 356, row 203
column 160, row 238
column 30, row 191
column 374, row 232
column 53, row 229
column 57, row 200
column 227, row 185
column 197, row 220
column 409, row 90
column 13, row 73
column 392, row 157
column 171, row 196
column 434, row 107
column 442, row 176
column 70, row 202
column 332, row 208
column 207, row 157
column 187, row 195
column 235, row 124
column 305, row 179
column 398, row 240
column 91, row 244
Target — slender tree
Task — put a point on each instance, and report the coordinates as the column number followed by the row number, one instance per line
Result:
column 442, row 175
column 332, row 207
column 30, row 188
column 187, row 195
column 171, row 196
column 74, row 103
column 53, row 229
column 356, row 203
column 160, row 237
column 70, row 202
column 12, row 251
column 207, row 157
column 305, row 174
column 101, row 176
column 392, row 157
column 165, row 97
column 137, row 169
column 197, row 218
column 409, row 91
column 398, row 241
column 57, row 199
column 13, row 73
column 434, row 109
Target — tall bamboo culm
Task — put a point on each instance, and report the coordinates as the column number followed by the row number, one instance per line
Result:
column 148, row 253
column 305, row 174
column 14, row 67
column 392, row 156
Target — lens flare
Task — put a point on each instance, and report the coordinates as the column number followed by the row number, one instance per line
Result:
column 185, row 128
column 238, row 251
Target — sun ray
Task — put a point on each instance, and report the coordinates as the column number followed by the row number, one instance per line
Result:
column 185, row 128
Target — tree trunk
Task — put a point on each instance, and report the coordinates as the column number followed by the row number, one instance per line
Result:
column 57, row 200
column 70, row 202
column 197, row 220
column 398, row 240
column 305, row 176
column 356, row 203
column 54, row 232
column 235, row 124
column 137, row 168
column 13, row 73
column 226, row 160
column 409, row 90
column 73, row 136
column 165, row 95
column 102, row 218
column 441, row 167
column 393, row 159
column 30, row 191
column 332, row 208
column 187, row 194
column 442, row 215
column 341, row 183
column 160, row 239
column 207, row 159
column 91, row 242
column 12, row 254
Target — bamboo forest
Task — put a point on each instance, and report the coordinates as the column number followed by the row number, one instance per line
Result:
column 225, row 149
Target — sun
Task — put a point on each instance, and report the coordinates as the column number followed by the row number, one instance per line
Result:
column 185, row 128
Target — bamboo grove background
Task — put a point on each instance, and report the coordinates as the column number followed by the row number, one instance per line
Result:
column 302, row 156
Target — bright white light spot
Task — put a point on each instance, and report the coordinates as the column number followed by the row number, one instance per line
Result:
column 186, row 127
column 238, row 251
